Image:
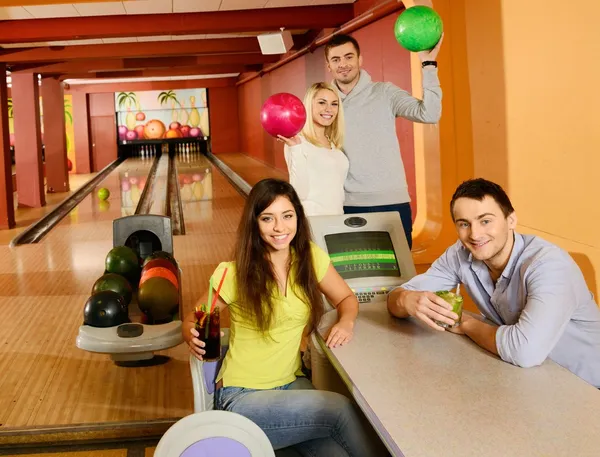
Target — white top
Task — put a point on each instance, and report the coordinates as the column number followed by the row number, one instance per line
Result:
column 318, row 175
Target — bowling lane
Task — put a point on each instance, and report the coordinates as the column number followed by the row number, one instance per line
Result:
column 91, row 219
column 25, row 216
column 46, row 379
column 211, row 212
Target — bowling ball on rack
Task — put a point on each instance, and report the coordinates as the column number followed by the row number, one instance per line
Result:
column 283, row 114
column 69, row 165
column 159, row 272
column 116, row 283
column 105, row 309
column 418, row 28
column 158, row 298
column 123, row 260
column 160, row 255
column 164, row 263
column 103, row 193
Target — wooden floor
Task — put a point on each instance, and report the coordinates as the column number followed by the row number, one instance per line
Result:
column 24, row 216
column 46, row 380
column 99, row 450
column 251, row 170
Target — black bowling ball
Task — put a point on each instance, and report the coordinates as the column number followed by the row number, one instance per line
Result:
column 105, row 309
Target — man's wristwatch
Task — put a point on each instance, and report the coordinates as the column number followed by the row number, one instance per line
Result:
column 429, row 62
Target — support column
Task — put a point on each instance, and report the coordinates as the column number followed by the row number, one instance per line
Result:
column 7, row 209
column 28, row 140
column 81, row 126
column 55, row 143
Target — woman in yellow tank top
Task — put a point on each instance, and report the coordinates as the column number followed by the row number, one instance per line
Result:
column 273, row 292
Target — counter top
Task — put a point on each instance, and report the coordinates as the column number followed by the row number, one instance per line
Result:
column 431, row 393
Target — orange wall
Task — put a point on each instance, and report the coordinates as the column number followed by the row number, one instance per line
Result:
column 536, row 119
column 444, row 152
column 224, row 124
column 520, row 109
column 254, row 140
column 383, row 59
column 252, row 137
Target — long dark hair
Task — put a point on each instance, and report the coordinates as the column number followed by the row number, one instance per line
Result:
column 254, row 272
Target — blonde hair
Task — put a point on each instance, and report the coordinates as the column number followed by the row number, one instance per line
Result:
column 334, row 132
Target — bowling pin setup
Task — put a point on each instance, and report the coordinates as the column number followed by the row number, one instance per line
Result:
column 144, row 150
column 186, row 151
column 148, row 151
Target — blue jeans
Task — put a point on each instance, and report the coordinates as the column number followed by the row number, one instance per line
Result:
column 402, row 208
column 315, row 423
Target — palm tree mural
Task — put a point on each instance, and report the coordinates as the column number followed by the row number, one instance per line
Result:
column 127, row 99
column 165, row 97
column 169, row 96
column 68, row 115
column 68, row 121
column 11, row 120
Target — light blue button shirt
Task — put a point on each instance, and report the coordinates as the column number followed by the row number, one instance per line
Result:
column 541, row 304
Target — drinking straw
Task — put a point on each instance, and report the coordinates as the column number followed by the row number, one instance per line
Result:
column 210, row 292
column 213, row 302
column 458, row 289
column 212, row 306
column 207, row 309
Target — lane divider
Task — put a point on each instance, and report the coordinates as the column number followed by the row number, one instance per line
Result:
column 36, row 231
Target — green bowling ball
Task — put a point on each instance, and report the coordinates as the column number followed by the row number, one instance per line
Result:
column 116, row 283
column 158, row 298
column 418, row 28
column 122, row 260
column 103, row 193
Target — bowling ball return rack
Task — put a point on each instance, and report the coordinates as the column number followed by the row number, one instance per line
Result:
column 135, row 344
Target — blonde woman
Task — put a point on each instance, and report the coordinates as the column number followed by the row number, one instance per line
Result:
column 316, row 164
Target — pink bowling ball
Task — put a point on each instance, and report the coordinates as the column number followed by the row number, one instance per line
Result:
column 283, row 114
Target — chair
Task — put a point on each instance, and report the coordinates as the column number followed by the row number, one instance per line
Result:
column 214, row 434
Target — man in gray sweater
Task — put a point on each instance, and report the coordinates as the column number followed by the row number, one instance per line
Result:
column 376, row 180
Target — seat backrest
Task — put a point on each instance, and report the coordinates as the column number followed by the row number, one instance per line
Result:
column 214, row 434
column 204, row 375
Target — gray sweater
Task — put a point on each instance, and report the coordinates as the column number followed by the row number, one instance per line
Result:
column 376, row 175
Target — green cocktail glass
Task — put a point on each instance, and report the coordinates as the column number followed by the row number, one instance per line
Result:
column 457, row 306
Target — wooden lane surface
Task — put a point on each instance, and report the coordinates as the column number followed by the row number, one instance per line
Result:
column 24, row 216
column 250, row 169
column 46, row 379
column 91, row 220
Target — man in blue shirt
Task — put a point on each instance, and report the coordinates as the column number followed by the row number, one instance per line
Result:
column 531, row 292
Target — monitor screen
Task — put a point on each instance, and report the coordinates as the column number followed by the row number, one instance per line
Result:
column 362, row 254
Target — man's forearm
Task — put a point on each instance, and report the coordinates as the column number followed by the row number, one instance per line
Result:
column 394, row 303
column 481, row 333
